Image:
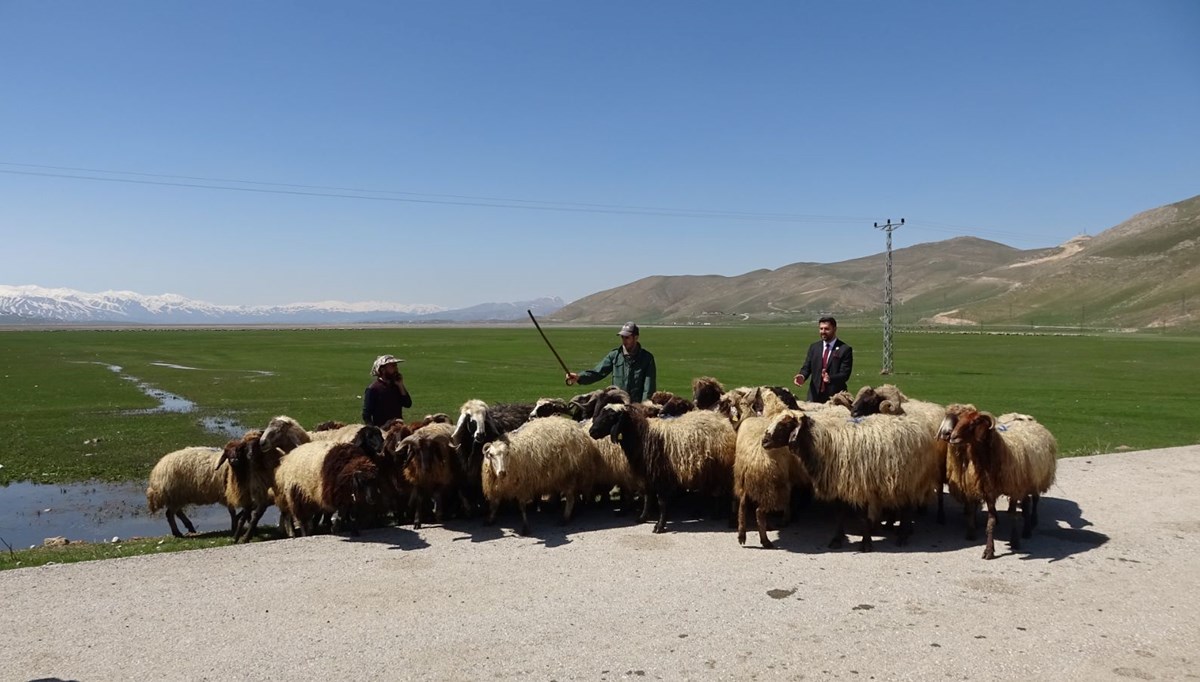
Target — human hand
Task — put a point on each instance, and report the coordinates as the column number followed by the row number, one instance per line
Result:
column 798, row 380
column 572, row 377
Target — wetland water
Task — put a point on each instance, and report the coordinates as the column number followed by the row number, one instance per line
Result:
column 32, row 512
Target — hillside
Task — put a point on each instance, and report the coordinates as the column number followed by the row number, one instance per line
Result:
column 1135, row 275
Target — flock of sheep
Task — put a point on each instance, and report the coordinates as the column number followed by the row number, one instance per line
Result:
column 878, row 454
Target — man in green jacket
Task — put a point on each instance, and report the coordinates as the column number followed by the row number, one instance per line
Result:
column 631, row 366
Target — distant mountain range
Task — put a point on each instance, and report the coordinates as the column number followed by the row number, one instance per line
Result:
column 29, row 304
column 1143, row 273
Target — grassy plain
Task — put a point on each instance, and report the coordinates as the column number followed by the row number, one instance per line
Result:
column 65, row 416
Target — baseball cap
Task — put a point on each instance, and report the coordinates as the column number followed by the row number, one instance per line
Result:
column 628, row 329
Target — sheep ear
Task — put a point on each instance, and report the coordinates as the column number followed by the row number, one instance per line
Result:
column 222, row 459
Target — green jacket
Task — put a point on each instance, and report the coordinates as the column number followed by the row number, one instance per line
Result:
column 635, row 374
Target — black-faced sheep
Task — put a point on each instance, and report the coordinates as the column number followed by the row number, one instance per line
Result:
column 764, row 476
column 694, row 451
column 326, row 477
column 544, row 457
column 188, row 477
column 480, row 423
column 1014, row 456
column 873, row 463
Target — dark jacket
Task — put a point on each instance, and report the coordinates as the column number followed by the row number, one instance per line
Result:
column 841, row 365
column 636, row 374
column 382, row 401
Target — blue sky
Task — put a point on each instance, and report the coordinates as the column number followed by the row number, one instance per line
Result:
column 460, row 152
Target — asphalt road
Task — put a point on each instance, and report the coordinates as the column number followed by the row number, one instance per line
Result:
column 1109, row 588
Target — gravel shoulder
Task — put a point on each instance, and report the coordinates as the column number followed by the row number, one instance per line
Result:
column 1107, row 588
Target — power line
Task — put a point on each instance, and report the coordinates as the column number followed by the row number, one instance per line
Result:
column 414, row 197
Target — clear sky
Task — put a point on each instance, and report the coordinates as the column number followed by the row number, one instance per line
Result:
column 461, row 152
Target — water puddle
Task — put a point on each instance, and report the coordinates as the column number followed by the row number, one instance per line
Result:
column 169, row 402
column 94, row 512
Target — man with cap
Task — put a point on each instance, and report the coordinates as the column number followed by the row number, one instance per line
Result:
column 631, row 366
column 386, row 397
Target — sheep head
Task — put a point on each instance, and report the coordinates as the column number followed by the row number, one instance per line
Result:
column 495, row 454
column 472, row 417
column 610, row 422
column 785, row 396
column 973, row 428
column 370, row 440
column 676, row 406
column 842, row 398
column 866, row 402
column 706, row 392
column 284, row 433
column 547, row 407
column 953, row 413
column 780, row 429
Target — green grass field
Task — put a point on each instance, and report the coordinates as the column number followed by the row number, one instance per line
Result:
column 67, row 417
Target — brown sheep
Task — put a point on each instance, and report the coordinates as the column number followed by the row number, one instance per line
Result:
column 1014, row 456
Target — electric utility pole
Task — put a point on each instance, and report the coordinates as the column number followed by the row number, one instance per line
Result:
column 888, row 227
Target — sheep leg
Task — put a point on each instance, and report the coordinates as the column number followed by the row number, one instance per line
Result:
column 348, row 522
column 439, row 509
column 258, row 514
column 1029, row 510
column 491, row 518
column 839, row 534
column 868, row 528
column 175, row 528
column 941, row 505
column 416, row 502
column 741, row 520
column 905, row 531
column 1015, row 536
column 569, row 507
column 661, row 526
column 233, row 520
column 989, row 549
column 761, row 516
column 467, row 507
column 970, row 516
column 240, row 523
column 645, row 516
column 524, row 518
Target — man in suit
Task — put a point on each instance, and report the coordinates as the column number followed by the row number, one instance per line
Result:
column 829, row 363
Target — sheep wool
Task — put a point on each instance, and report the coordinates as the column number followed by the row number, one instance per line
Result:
column 763, row 475
column 185, row 477
column 545, row 456
column 1014, row 456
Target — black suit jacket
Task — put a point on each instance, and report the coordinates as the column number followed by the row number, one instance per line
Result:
column 841, row 364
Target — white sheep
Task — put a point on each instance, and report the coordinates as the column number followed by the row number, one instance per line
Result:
column 1013, row 455
column 763, row 475
column 694, row 451
column 872, row 463
column 188, row 476
column 549, row 456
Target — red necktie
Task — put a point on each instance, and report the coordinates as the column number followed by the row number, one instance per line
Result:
column 824, row 364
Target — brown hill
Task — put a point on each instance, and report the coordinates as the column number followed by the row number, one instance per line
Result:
column 1137, row 274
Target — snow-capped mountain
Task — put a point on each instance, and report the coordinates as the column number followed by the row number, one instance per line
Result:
column 34, row 304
